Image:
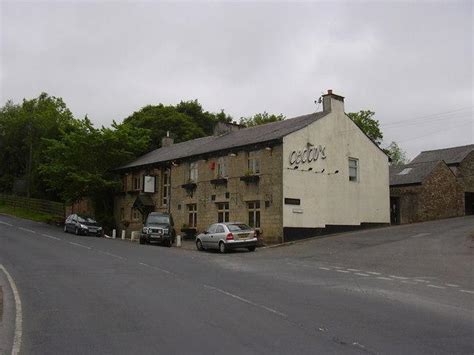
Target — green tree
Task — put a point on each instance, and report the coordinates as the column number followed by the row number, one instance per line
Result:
column 365, row 120
column 397, row 155
column 22, row 129
column 260, row 118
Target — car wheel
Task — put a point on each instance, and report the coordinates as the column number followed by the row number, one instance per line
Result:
column 65, row 229
column 222, row 248
column 251, row 248
column 76, row 231
column 142, row 240
column 199, row 245
column 169, row 243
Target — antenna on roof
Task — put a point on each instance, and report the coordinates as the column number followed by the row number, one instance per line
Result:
column 318, row 102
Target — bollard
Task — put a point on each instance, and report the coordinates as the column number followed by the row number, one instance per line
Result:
column 123, row 234
column 178, row 241
column 114, row 234
column 134, row 236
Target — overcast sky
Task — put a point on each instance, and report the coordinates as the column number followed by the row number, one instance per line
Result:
column 410, row 62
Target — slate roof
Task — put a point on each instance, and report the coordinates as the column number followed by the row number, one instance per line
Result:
column 243, row 137
column 418, row 172
column 453, row 155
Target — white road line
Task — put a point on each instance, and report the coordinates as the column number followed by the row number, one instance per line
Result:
column 361, row 274
column 344, row 271
column 452, row 285
column 7, row 224
column 50, row 236
column 246, row 301
column 110, row 254
column 408, row 282
column 373, row 273
column 27, row 230
column 19, row 316
column 156, row 268
column 80, row 245
column 399, row 277
column 418, row 280
column 325, row 268
column 435, row 286
column 384, row 278
column 420, row 235
column 354, row 270
column 467, row 291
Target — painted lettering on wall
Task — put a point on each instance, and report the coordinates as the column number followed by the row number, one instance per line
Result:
column 308, row 154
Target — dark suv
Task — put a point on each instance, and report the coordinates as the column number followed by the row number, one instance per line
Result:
column 158, row 227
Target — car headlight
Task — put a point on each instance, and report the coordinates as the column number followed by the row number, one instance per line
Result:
column 99, row 229
column 83, row 226
column 145, row 230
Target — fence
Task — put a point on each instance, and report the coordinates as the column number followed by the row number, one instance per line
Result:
column 34, row 204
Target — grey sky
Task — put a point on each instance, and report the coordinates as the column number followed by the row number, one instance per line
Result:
column 403, row 60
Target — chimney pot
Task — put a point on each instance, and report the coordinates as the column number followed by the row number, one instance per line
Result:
column 330, row 92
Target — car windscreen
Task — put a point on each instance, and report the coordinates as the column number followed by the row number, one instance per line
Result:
column 158, row 220
column 85, row 219
column 238, row 227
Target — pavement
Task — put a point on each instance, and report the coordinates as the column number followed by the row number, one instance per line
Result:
column 405, row 289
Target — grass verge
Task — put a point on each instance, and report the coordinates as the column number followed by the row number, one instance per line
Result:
column 27, row 214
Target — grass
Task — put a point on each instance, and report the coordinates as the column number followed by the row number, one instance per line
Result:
column 27, row 214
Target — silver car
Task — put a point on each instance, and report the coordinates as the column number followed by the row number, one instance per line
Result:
column 227, row 236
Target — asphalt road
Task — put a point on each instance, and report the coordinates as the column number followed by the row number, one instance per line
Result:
column 396, row 290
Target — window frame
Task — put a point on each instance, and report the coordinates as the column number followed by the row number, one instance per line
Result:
column 353, row 178
column 192, row 215
column 193, row 171
column 254, row 214
column 135, row 214
column 221, row 168
column 253, row 163
column 223, row 212
column 165, row 187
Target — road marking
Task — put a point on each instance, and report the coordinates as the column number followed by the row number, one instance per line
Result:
column 27, row 230
column 435, row 286
column 354, row 270
column 325, row 268
column 110, row 254
column 373, row 273
column 384, row 278
column 80, row 245
column 361, row 274
column 7, row 224
column 156, row 268
column 344, row 271
column 247, row 301
column 467, row 291
column 418, row 280
column 19, row 317
column 452, row 285
column 420, row 235
column 50, row 236
column 399, row 277
column 408, row 282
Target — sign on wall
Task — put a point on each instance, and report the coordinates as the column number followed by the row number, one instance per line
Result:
column 308, row 154
column 149, row 184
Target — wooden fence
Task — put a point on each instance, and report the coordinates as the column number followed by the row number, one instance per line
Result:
column 34, row 204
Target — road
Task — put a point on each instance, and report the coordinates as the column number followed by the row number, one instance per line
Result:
column 406, row 289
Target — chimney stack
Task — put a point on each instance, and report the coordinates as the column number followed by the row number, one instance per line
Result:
column 333, row 102
column 167, row 141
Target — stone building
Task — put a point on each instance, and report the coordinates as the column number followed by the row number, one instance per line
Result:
column 424, row 191
column 461, row 162
column 300, row 177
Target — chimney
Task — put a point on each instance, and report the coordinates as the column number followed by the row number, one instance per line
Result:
column 333, row 102
column 167, row 141
column 225, row 127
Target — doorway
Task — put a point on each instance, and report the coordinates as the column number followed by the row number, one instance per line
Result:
column 469, row 203
column 395, row 210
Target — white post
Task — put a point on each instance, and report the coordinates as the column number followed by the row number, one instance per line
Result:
column 134, row 236
column 123, row 234
column 178, row 240
column 114, row 234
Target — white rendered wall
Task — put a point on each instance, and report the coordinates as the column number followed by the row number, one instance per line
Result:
column 329, row 198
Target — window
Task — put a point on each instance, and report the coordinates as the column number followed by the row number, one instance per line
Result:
column 353, row 169
column 223, row 212
column 165, row 187
column 193, row 171
column 192, row 215
column 220, row 229
column 221, row 168
column 135, row 214
column 253, row 163
column 137, row 183
column 254, row 214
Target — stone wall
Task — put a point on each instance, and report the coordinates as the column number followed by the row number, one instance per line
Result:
column 465, row 173
column 439, row 196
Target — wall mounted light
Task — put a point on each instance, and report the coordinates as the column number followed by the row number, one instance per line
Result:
column 232, row 155
column 268, row 148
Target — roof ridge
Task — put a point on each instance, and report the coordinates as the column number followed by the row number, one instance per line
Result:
column 459, row 146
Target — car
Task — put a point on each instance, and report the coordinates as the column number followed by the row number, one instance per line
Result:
column 158, row 227
column 80, row 224
column 227, row 236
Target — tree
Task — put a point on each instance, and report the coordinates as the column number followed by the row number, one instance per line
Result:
column 365, row 120
column 397, row 155
column 260, row 118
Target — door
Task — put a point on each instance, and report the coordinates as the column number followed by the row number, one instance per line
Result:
column 469, row 203
column 395, row 210
column 218, row 235
column 206, row 238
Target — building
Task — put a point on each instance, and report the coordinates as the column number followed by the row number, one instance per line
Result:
column 300, row 177
column 461, row 162
column 424, row 191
